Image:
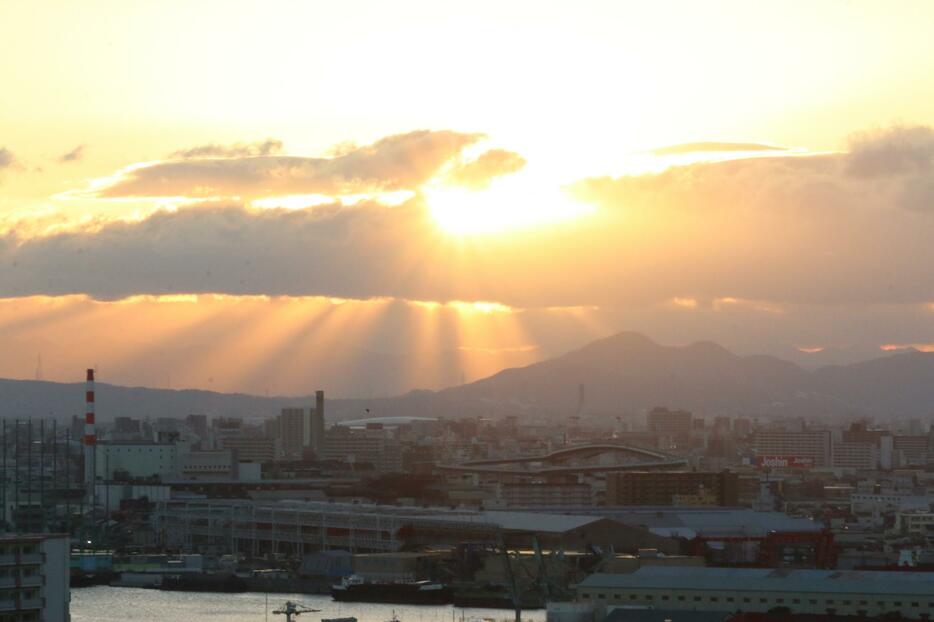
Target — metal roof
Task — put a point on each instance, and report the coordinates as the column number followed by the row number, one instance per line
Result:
column 919, row 584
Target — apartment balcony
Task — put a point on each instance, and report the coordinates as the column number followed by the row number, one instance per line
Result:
column 12, row 582
column 25, row 604
column 28, row 559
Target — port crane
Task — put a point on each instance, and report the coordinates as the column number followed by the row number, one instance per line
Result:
column 292, row 610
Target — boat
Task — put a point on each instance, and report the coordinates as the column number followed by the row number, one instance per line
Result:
column 200, row 582
column 356, row 589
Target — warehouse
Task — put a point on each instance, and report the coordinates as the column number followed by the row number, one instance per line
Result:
column 762, row 589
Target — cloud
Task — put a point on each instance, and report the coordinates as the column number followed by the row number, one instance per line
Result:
column 354, row 252
column 400, row 162
column 755, row 236
column 270, row 146
column 707, row 147
column 478, row 173
column 75, row 155
column 7, row 159
column 895, row 151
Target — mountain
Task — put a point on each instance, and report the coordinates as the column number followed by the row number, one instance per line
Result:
column 622, row 374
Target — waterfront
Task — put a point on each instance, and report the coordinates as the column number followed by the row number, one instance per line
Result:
column 113, row 604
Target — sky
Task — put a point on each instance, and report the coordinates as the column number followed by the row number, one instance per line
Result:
column 371, row 197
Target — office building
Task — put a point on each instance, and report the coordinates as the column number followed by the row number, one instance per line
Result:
column 813, row 445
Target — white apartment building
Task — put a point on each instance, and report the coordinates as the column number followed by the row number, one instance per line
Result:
column 34, row 574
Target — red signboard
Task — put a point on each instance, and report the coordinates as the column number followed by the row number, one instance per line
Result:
column 784, row 462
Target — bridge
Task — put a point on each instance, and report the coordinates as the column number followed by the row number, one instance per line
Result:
column 591, row 458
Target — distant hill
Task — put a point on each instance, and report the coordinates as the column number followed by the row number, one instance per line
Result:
column 622, row 374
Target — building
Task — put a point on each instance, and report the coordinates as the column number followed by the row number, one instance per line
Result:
column 300, row 527
column 675, row 425
column 302, row 429
column 216, row 464
column 317, row 425
column 752, row 590
column 544, row 495
column 811, row 445
column 198, row 424
column 662, row 487
column 293, row 422
column 34, row 575
column 252, row 449
column 855, row 455
column 137, row 460
column 373, row 445
column 912, row 450
column 884, row 502
column 915, row 523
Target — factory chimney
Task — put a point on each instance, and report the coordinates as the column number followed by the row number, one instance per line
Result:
column 90, row 438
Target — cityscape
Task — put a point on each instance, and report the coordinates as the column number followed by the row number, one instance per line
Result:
column 607, row 311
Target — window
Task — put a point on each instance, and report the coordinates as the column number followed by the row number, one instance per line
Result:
column 729, row 599
column 714, row 599
column 697, row 599
column 796, row 601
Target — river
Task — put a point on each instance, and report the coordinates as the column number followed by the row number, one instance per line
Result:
column 119, row 604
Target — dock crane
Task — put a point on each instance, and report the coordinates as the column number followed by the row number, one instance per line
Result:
column 292, row 610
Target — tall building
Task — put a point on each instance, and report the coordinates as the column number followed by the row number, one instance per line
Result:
column 293, row 423
column 317, row 424
column 675, row 425
column 34, row 574
column 302, row 429
column 666, row 487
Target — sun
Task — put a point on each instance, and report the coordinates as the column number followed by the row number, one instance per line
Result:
column 508, row 204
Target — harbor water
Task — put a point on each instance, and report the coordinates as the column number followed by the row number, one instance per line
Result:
column 120, row 604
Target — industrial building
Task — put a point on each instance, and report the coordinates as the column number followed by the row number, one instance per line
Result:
column 34, row 577
column 136, row 459
column 761, row 589
column 666, row 487
column 298, row 527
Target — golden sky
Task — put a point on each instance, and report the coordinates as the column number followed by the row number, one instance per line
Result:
column 228, row 194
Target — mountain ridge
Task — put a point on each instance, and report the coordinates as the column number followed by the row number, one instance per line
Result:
column 624, row 373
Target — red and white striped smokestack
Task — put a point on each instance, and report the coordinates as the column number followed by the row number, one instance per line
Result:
column 90, row 436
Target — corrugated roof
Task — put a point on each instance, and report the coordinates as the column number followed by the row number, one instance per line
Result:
column 768, row 580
